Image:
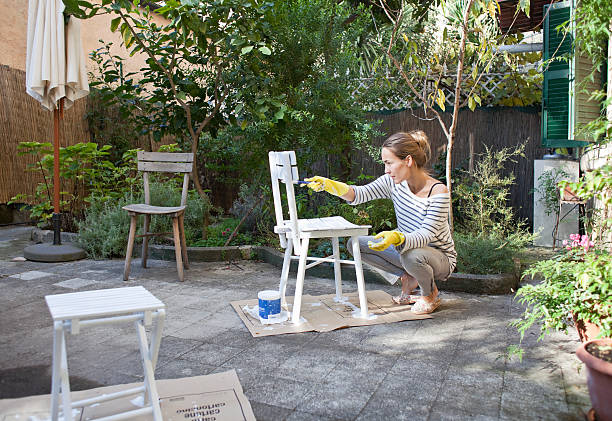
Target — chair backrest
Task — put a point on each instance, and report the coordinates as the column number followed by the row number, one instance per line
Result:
column 166, row 162
column 283, row 169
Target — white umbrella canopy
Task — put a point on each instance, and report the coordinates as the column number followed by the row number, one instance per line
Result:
column 55, row 76
column 55, row 63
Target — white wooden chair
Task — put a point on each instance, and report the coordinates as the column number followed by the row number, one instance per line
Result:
column 79, row 310
column 295, row 235
column 164, row 162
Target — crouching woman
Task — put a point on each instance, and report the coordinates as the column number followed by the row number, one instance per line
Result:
column 421, row 250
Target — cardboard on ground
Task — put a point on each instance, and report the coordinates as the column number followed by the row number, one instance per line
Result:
column 323, row 314
column 217, row 397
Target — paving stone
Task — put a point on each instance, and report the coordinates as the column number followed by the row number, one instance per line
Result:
column 265, row 412
column 30, row 275
column 75, row 283
column 333, row 399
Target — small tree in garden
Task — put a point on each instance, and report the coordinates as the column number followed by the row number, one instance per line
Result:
column 193, row 62
column 308, row 82
column 465, row 33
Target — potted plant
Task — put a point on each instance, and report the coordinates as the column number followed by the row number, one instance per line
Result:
column 576, row 286
column 597, row 357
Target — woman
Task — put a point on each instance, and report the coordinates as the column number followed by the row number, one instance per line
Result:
column 421, row 250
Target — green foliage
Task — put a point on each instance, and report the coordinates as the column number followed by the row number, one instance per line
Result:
column 194, row 67
column 167, row 192
column 309, row 106
column 488, row 235
column 251, row 204
column 577, row 281
column 549, row 189
column 103, row 233
column 219, row 232
column 87, row 172
column 488, row 254
column 481, row 198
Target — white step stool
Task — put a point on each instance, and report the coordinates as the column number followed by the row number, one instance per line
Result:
column 71, row 312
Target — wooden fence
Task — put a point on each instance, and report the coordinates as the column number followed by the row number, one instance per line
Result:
column 495, row 127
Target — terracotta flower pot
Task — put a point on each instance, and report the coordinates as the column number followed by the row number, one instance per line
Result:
column 586, row 330
column 599, row 379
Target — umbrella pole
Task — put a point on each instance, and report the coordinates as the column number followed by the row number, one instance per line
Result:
column 57, row 219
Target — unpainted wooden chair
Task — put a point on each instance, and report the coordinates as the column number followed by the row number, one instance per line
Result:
column 162, row 162
column 295, row 235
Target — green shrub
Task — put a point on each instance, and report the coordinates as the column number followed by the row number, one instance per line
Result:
column 219, row 232
column 169, row 194
column 488, row 235
column 104, row 231
column 486, row 255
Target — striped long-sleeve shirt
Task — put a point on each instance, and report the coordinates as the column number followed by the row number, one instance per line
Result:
column 423, row 221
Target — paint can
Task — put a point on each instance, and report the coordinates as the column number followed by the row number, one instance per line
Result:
column 269, row 303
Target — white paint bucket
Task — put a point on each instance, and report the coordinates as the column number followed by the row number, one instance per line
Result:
column 269, row 303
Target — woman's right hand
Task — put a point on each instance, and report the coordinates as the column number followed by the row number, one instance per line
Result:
column 317, row 183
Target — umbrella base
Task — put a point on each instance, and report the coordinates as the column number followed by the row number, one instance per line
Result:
column 47, row 252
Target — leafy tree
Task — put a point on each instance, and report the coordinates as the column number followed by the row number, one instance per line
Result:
column 302, row 99
column 190, row 60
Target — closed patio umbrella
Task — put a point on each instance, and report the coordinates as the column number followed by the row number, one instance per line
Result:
column 56, row 77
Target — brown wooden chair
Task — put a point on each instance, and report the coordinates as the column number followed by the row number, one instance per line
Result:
column 163, row 162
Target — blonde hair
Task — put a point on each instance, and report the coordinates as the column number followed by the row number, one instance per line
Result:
column 414, row 143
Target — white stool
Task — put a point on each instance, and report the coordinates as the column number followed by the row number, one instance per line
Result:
column 71, row 312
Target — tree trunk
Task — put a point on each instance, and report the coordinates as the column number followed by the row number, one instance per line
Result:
column 453, row 128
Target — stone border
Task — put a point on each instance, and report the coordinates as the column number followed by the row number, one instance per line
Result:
column 505, row 283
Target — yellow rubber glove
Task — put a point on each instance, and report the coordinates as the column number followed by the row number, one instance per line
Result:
column 388, row 237
column 336, row 188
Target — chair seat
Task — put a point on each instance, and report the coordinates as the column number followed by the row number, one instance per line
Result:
column 332, row 226
column 153, row 210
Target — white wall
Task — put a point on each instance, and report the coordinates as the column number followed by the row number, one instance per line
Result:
column 543, row 223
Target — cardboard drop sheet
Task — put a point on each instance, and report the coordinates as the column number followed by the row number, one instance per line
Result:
column 323, row 314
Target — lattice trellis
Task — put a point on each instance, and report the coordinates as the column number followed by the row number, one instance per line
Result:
column 398, row 95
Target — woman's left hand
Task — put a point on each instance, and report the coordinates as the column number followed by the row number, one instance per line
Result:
column 389, row 238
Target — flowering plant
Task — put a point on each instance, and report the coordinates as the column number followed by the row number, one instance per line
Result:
column 576, row 282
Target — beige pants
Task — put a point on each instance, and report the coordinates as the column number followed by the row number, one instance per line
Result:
column 425, row 264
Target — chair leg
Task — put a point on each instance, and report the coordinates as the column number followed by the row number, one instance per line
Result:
column 130, row 246
column 177, row 248
column 145, row 240
column 556, row 228
column 65, row 380
column 282, row 287
column 183, row 241
column 55, row 376
column 363, row 302
column 337, row 267
column 149, row 377
column 299, row 283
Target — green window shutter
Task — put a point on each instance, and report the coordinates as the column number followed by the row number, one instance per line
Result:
column 557, row 99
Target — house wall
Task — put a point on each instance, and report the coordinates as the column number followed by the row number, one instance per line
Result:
column 13, row 33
